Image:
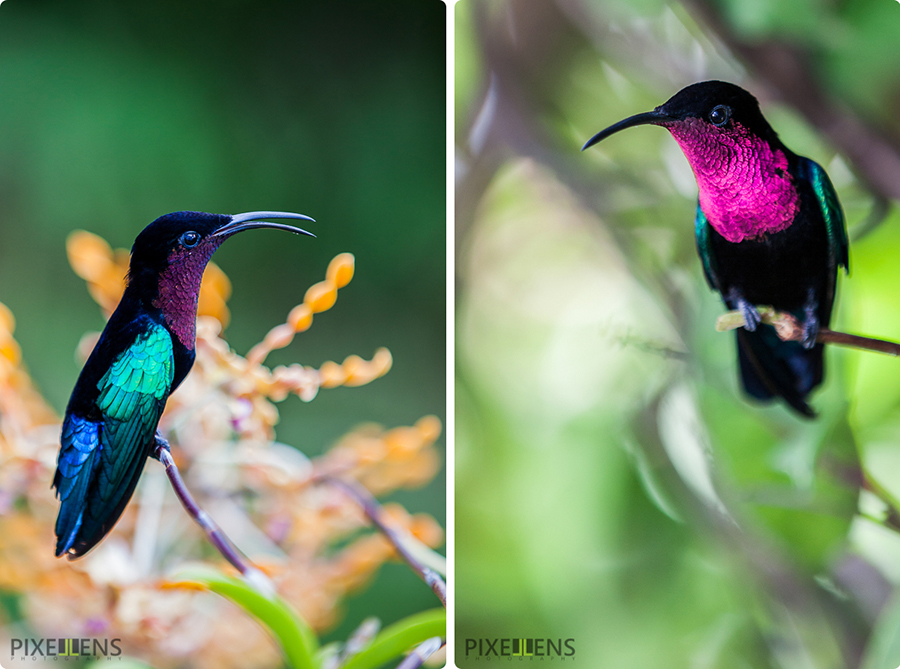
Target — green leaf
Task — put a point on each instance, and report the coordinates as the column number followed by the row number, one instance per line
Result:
column 398, row 638
column 297, row 640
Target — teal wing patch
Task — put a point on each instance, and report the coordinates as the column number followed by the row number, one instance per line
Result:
column 142, row 372
column 132, row 396
column 704, row 249
column 835, row 225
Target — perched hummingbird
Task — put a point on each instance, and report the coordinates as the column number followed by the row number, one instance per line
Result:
column 143, row 354
column 769, row 230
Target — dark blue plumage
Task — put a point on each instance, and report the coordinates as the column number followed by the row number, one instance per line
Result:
column 143, row 354
column 769, row 231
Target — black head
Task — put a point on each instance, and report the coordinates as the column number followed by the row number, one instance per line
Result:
column 717, row 104
column 176, row 237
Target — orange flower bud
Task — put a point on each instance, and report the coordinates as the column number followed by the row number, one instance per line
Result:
column 383, row 361
column 279, row 336
column 340, row 269
column 216, row 280
column 88, row 254
column 429, row 428
column 257, row 354
column 7, row 320
column 10, row 350
column 332, row 374
column 300, row 317
column 426, row 529
column 321, row 296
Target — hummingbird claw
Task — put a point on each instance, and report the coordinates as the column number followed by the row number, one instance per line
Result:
column 752, row 319
column 810, row 333
column 810, row 323
column 162, row 444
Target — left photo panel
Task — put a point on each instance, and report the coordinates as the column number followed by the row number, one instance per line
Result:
column 222, row 334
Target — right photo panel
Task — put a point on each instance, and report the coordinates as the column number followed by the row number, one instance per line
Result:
column 677, row 298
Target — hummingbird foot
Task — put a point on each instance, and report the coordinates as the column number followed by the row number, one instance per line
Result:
column 752, row 319
column 162, row 444
column 810, row 333
column 810, row 322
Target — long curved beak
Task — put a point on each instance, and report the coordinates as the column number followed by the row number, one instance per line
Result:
column 256, row 219
column 654, row 117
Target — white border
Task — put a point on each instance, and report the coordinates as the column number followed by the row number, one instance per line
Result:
column 450, row 430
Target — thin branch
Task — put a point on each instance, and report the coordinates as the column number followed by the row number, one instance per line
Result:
column 892, row 514
column 213, row 532
column 655, row 348
column 421, row 653
column 788, row 328
column 375, row 512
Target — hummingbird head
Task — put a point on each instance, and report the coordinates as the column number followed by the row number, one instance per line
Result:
column 740, row 165
column 169, row 256
column 189, row 238
column 714, row 109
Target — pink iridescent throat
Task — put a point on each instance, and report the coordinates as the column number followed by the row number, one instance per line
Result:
column 746, row 190
column 179, row 290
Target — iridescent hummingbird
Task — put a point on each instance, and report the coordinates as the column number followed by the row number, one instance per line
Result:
column 769, row 230
column 143, row 354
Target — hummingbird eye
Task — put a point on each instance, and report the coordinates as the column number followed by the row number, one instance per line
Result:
column 189, row 239
column 719, row 115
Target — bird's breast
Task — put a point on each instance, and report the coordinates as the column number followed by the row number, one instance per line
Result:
column 746, row 188
column 178, row 294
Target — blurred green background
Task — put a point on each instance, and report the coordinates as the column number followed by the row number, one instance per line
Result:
column 112, row 114
column 613, row 484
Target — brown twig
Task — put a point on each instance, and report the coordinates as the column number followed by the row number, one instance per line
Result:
column 213, row 532
column 375, row 512
column 788, row 328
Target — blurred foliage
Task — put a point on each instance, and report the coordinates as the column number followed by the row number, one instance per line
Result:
column 114, row 114
column 614, row 485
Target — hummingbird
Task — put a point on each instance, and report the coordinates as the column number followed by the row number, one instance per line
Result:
column 143, row 354
column 769, row 230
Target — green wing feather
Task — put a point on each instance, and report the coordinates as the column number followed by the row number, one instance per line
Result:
column 832, row 212
column 142, row 372
column 132, row 396
column 101, row 457
column 701, row 233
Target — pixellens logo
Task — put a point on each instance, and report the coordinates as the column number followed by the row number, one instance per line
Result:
column 64, row 649
column 541, row 649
